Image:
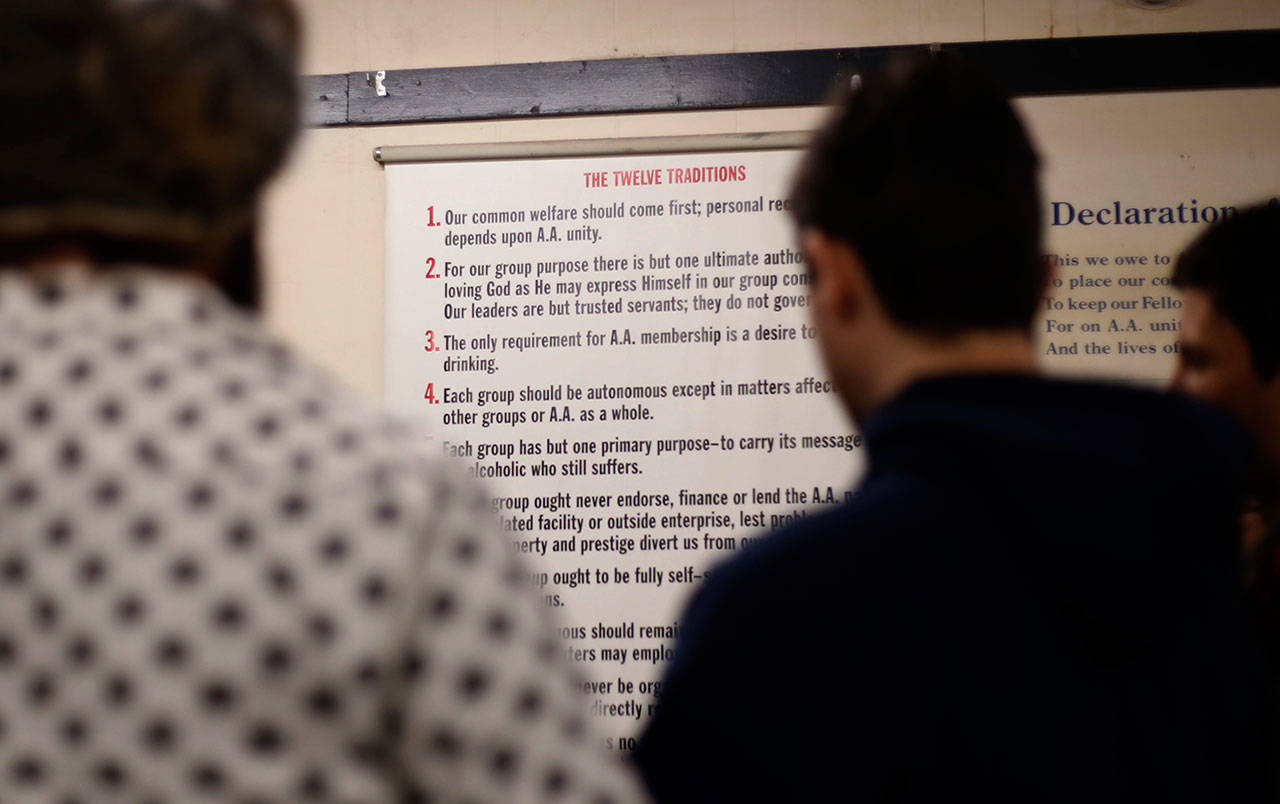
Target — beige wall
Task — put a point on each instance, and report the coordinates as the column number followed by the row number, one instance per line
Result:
column 324, row 238
column 350, row 35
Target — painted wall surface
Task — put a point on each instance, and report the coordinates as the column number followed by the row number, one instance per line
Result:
column 325, row 217
column 402, row 34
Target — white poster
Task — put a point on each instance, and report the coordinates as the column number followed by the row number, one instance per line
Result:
column 618, row 347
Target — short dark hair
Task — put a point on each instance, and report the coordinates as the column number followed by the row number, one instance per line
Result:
column 1236, row 262
column 144, row 132
column 927, row 173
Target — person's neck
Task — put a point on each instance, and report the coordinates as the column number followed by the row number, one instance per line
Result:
column 909, row 358
column 60, row 257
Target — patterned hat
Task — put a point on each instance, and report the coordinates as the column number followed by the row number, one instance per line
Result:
column 155, row 121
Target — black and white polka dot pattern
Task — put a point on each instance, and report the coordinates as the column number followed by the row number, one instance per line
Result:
column 224, row 579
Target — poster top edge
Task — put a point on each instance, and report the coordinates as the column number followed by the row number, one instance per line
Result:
column 627, row 146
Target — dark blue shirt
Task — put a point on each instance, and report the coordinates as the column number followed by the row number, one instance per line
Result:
column 1034, row 596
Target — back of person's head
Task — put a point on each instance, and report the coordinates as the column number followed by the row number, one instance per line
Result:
column 926, row 171
column 1237, row 263
column 141, row 130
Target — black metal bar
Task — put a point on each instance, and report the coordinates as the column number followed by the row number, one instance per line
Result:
column 325, row 100
column 785, row 78
column 1132, row 63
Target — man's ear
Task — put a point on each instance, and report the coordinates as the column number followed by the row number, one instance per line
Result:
column 838, row 279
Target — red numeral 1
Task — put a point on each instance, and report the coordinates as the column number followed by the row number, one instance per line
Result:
column 431, row 217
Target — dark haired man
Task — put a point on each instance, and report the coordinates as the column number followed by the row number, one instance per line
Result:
column 1032, row 596
column 1230, row 356
column 223, row 577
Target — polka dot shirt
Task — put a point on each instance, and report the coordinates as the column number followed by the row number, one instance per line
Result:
column 225, row 579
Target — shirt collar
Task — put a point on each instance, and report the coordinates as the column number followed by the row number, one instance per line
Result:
column 136, row 297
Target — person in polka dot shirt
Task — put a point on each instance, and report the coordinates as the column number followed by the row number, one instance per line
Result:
column 222, row 576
